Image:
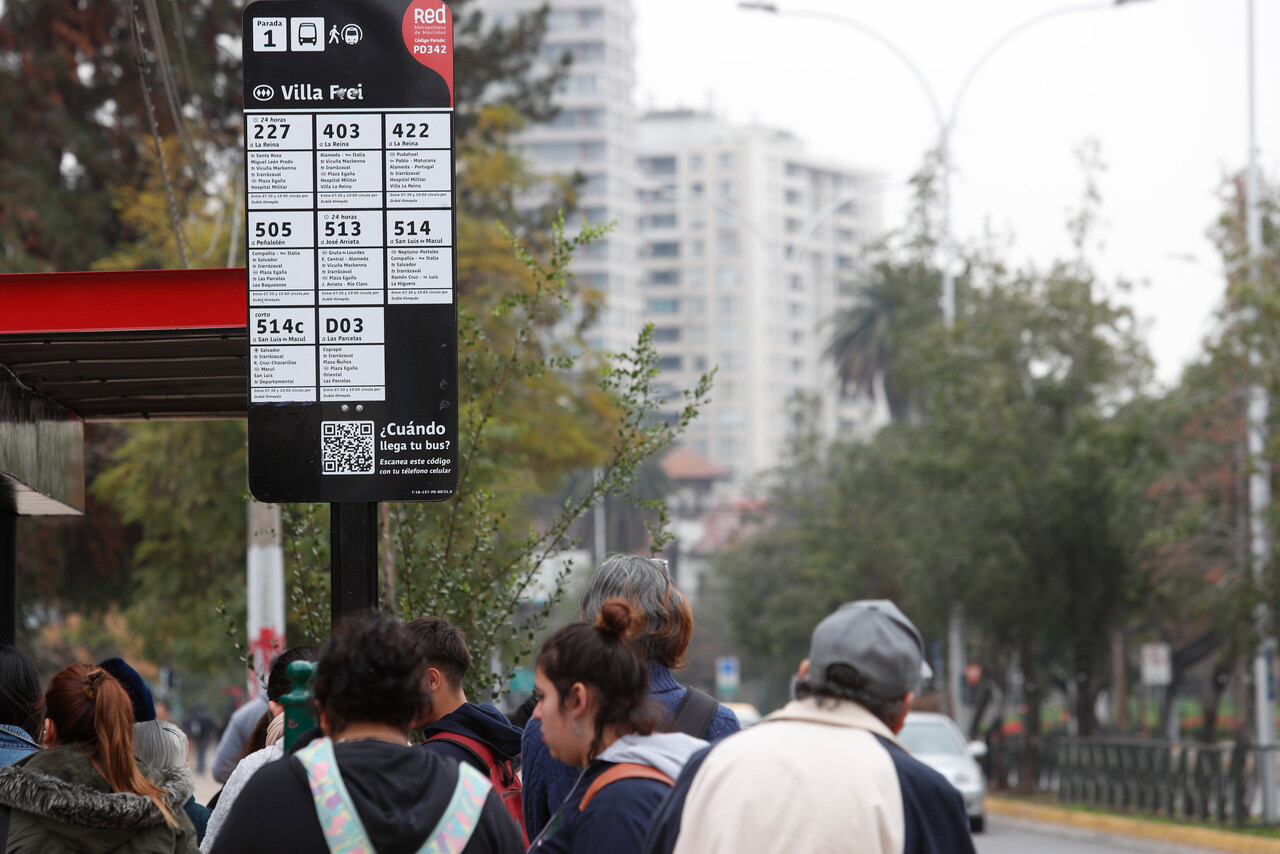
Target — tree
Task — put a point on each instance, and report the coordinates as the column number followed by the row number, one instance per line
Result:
column 92, row 93
column 1009, row 491
column 895, row 302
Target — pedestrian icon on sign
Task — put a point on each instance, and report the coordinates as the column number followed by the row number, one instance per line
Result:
column 334, row 38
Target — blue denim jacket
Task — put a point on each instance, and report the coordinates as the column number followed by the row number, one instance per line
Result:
column 15, row 744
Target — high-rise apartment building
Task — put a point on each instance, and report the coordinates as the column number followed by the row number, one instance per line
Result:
column 749, row 246
column 594, row 134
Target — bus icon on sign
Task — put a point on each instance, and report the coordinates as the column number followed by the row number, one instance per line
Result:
column 305, row 33
column 263, row 92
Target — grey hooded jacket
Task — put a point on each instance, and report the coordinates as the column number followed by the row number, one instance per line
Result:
column 60, row 803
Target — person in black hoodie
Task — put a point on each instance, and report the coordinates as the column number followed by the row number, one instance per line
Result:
column 362, row 786
column 448, row 712
column 476, row 734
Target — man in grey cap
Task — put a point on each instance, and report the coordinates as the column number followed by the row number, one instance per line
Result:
column 825, row 772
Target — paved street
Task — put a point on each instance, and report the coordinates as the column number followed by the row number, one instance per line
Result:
column 1011, row 836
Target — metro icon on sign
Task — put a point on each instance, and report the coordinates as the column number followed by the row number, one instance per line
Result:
column 264, row 92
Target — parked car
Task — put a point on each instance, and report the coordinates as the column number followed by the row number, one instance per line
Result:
column 936, row 741
column 748, row 715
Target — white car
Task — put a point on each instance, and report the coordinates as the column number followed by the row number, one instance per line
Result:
column 937, row 742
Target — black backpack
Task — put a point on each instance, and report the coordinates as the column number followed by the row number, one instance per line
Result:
column 695, row 713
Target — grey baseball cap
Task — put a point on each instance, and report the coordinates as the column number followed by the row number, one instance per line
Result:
column 876, row 639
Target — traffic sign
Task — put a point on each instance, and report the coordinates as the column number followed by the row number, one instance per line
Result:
column 350, row 224
column 1157, row 664
column 728, row 675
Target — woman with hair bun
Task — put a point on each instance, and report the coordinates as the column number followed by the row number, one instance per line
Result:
column 85, row 793
column 595, row 714
column 666, row 622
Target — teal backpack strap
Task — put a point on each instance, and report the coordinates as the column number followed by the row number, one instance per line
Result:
column 339, row 821
column 461, row 816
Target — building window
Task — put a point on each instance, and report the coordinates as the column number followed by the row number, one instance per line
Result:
column 695, row 162
column 667, row 220
column 666, row 333
column 729, row 306
column 578, row 51
column 663, row 306
column 663, row 277
column 596, row 184
column 730, row 333
column 575, row 19
column 732, row 419
column 697, row 277
column 727, row 160
column 670, row 363
column 669, row 249
column 580, row 84
column 729, row 276
column 699, row 363
column 729, row 244
column 698, row 334
column 658, row 165
column 731, row 360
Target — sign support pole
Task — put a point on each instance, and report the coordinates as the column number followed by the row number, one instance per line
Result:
column 353, row 550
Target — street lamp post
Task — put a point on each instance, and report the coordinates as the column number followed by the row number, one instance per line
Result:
column 946, row 123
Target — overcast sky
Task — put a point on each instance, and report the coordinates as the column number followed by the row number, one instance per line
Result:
column 1160, row 84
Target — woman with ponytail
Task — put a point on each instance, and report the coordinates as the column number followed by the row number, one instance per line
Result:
column 595, row 715
column 85, row 792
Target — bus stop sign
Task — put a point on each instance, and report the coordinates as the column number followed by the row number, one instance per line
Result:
column 350, row 224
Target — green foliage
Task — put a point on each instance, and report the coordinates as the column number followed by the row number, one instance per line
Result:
column 182, row 484
column 528, row 400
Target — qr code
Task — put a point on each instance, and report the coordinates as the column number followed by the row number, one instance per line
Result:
column 346, row 447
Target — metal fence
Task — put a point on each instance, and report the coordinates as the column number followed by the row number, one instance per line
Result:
column 1215, row 782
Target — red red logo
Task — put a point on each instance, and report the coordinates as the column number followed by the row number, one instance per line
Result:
column 428, row 35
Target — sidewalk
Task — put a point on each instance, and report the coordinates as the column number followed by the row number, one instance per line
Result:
column 206, row 786
column 1153, row 831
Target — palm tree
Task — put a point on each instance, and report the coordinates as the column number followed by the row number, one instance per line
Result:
column 868, row 337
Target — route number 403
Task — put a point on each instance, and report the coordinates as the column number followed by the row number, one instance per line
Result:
column 275, row 326
column 412, row 229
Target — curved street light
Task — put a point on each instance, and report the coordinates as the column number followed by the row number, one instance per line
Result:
column 945, row 121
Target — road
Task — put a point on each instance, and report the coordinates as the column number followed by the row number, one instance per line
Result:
column 1009, row 836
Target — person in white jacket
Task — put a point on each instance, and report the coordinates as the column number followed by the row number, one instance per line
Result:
column 825, row 772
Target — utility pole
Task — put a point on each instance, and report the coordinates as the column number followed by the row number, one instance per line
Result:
column 265, row 577
column 1259, row 476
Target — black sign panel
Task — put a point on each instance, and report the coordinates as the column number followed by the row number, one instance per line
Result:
column 350, row 224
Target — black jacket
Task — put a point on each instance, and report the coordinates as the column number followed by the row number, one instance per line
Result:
column 400, row 794
column 485, row 724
